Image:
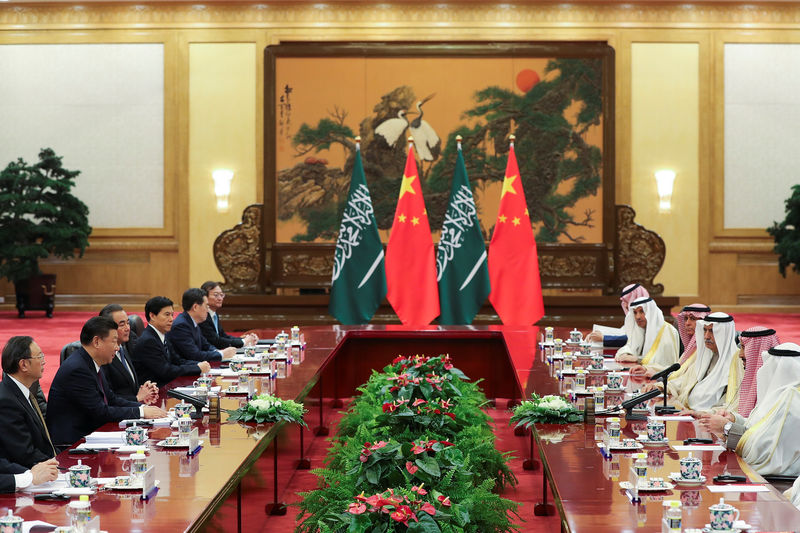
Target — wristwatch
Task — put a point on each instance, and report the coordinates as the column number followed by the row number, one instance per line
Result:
column 727, row 428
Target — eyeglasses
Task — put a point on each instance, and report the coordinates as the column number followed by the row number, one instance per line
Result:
column 217, row 294
column 40, row 357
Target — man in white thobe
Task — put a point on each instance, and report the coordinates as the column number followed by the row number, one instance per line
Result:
column 767, row 439
column 716, row 373
column 653, row 344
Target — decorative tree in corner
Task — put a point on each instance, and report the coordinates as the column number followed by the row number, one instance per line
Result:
column 787, row 234
column 38, row 215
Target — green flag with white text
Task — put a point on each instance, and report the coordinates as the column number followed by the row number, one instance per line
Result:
column 461, row 265
column 358, row 284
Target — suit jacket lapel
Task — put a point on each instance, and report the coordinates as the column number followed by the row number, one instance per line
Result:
column 130, row 376
column 25, row 404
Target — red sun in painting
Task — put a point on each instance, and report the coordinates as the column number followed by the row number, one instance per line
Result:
column 527, row 80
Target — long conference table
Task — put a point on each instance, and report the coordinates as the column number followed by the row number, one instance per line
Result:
column 206, row 491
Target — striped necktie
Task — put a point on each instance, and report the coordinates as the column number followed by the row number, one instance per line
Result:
column 35, row 406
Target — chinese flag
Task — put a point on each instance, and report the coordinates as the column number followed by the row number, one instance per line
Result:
column 410, row 261
column 516, row 292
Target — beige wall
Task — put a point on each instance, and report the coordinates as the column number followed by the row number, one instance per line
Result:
column 668, row 83
column 222, row 134
column 665, row 134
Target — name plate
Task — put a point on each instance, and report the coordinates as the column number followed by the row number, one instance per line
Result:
column 194, row 442
column 149, row 483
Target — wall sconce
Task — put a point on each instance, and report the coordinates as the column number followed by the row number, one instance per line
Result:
column 665, row 179
column 222, row 188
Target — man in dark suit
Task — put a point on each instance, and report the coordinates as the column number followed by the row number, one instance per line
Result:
column 120, row 374
column 153, row 358
column 80, row 399
column 15, row 477
column 211, row 327
column 24, row 438
column 185, row 336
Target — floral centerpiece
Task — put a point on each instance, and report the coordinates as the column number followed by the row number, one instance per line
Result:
column 268, row 408
column 548, row 409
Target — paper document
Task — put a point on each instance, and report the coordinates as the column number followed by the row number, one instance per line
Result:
column 735, row 487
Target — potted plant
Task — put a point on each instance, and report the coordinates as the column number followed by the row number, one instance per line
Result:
column 787, row 234
column 38, row 218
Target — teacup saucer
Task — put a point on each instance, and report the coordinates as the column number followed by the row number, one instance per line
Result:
column 707, row 529
column 568, row 372
column 647, row 442
column 676, row 477
column 627, row 485
column 609, row 389
column 597, row 370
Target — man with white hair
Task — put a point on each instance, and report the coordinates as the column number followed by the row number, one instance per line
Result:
column 653, row 344
column 764, row 439
column 716, row 373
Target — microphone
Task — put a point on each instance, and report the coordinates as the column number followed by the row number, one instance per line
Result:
column 636, row 400
column 667, row 371
column 628, row 405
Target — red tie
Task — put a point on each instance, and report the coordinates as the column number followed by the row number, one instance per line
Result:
column 100, row 382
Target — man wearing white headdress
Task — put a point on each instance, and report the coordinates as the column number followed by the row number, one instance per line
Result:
column 653, row 344
column 767, row 439
column 717, row 371
column 615, row 337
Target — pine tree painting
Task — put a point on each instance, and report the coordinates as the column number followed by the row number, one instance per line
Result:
column 560, row 163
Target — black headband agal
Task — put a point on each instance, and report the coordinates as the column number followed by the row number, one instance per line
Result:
column 762, row 333
column 718, row 319
column 696, row 309
column 783, row 353
column 629, row 290
column 640, row 301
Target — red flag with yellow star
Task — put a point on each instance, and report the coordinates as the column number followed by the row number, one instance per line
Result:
column 513, row 261
column 410, row 260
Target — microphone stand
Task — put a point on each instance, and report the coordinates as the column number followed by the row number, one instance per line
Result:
column 665, row 409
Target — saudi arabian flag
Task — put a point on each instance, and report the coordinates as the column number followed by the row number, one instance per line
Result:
column 461, row 264
column 359, row 278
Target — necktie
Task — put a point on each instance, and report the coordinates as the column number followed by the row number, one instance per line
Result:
column 216, row 322
column 35, row 406
column 124, row 361
column 102, row 389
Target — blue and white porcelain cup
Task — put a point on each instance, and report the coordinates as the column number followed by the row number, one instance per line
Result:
column 656, row 430
column 723, row 515
column 691, row 467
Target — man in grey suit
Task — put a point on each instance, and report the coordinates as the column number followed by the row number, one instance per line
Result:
column 24, row 438
column 120, row 374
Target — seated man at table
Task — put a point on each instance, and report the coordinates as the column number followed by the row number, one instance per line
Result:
column 15, row 477
column 153, row 356
column 767, row 438
column 24, row 438
column 653, row 344
column 80, row 399
column 120, row 373
column 185, row 336
column 211, row 327
column 754, row 342
column 687, row 329
column 616, row 337
column 715, row 376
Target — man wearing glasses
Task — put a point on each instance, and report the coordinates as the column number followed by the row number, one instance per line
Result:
column 24, row 438
column 211, row 327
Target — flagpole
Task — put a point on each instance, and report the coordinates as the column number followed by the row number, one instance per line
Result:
column 458, row 142
column 358, row 143
column 511, row 140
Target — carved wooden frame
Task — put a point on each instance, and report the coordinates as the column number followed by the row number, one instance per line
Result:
column 563, row 265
